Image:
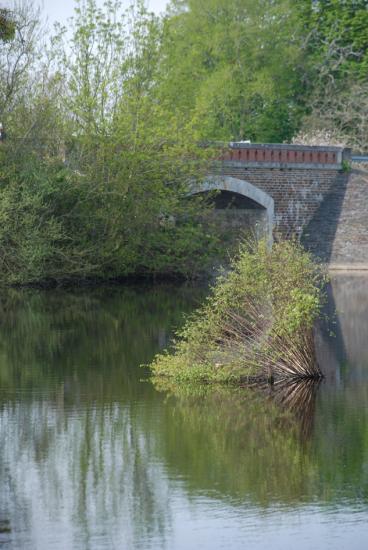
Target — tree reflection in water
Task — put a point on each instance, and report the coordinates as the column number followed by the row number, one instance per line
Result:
column 296, row 396
column 246, row 443
column 92, row 457
column 76, row 461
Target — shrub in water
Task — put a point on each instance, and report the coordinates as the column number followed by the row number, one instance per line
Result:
column 257, row 322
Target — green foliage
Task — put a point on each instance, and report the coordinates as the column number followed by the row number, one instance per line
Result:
column 346, row 166
column 338, row 26
column 232, row 67
column 336, row 48
column 259, row 317
column 7, row 25
column 57, row 223
column 94, row 185
column 103, row 125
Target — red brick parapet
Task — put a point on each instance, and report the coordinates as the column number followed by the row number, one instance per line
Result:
column 284, row 156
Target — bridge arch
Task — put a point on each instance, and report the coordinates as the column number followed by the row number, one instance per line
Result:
column 243, row 188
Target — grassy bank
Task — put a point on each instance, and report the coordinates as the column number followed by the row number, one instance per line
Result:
column 257, row 322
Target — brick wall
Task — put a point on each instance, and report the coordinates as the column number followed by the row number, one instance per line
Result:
column 314, row 198
column 274, row 153
column 298, row 193
column 338, row 231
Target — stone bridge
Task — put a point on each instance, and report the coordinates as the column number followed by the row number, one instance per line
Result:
column 297, row 190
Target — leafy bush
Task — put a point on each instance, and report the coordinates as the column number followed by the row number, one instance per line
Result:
column 57, row 223
column 257, row 322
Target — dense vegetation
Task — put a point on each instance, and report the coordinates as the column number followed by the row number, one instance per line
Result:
column 337, row 80
column 7, row 28
column 257, row 323
column 94, row 175
column 103, row 120
column 58, row 223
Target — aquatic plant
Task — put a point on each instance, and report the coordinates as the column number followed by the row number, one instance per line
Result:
column 257, row 322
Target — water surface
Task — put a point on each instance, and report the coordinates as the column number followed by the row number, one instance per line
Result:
column 93, row 456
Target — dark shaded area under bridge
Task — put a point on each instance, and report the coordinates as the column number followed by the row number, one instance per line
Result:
column 238, row 217
column 228, row 199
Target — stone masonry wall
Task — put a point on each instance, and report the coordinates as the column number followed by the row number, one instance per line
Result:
column 314, row 198
column 338, row 232
column 298, row 193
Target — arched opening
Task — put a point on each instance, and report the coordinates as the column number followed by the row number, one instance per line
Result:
column 239, row 207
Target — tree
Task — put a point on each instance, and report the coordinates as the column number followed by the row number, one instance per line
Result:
column 232, row 66
column 7, row 26
column 18, row 58
column 339, row 25
column 336, row 43
column 117, row 203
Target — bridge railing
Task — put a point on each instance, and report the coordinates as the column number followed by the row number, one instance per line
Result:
column 284, row 155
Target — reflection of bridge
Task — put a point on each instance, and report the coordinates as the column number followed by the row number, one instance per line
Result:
column 300, row 190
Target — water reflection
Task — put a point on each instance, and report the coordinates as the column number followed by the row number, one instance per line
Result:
column 81, row 337
column 298, row 397
column 80, row 480
column 350, row 295
column 342, row 342
column 75, row 459
column 245, row 444
column 92, row 457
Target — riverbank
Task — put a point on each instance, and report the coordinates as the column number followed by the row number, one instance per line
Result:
column 257, row 324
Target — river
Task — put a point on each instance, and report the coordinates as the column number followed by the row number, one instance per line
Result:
column 93, row 456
